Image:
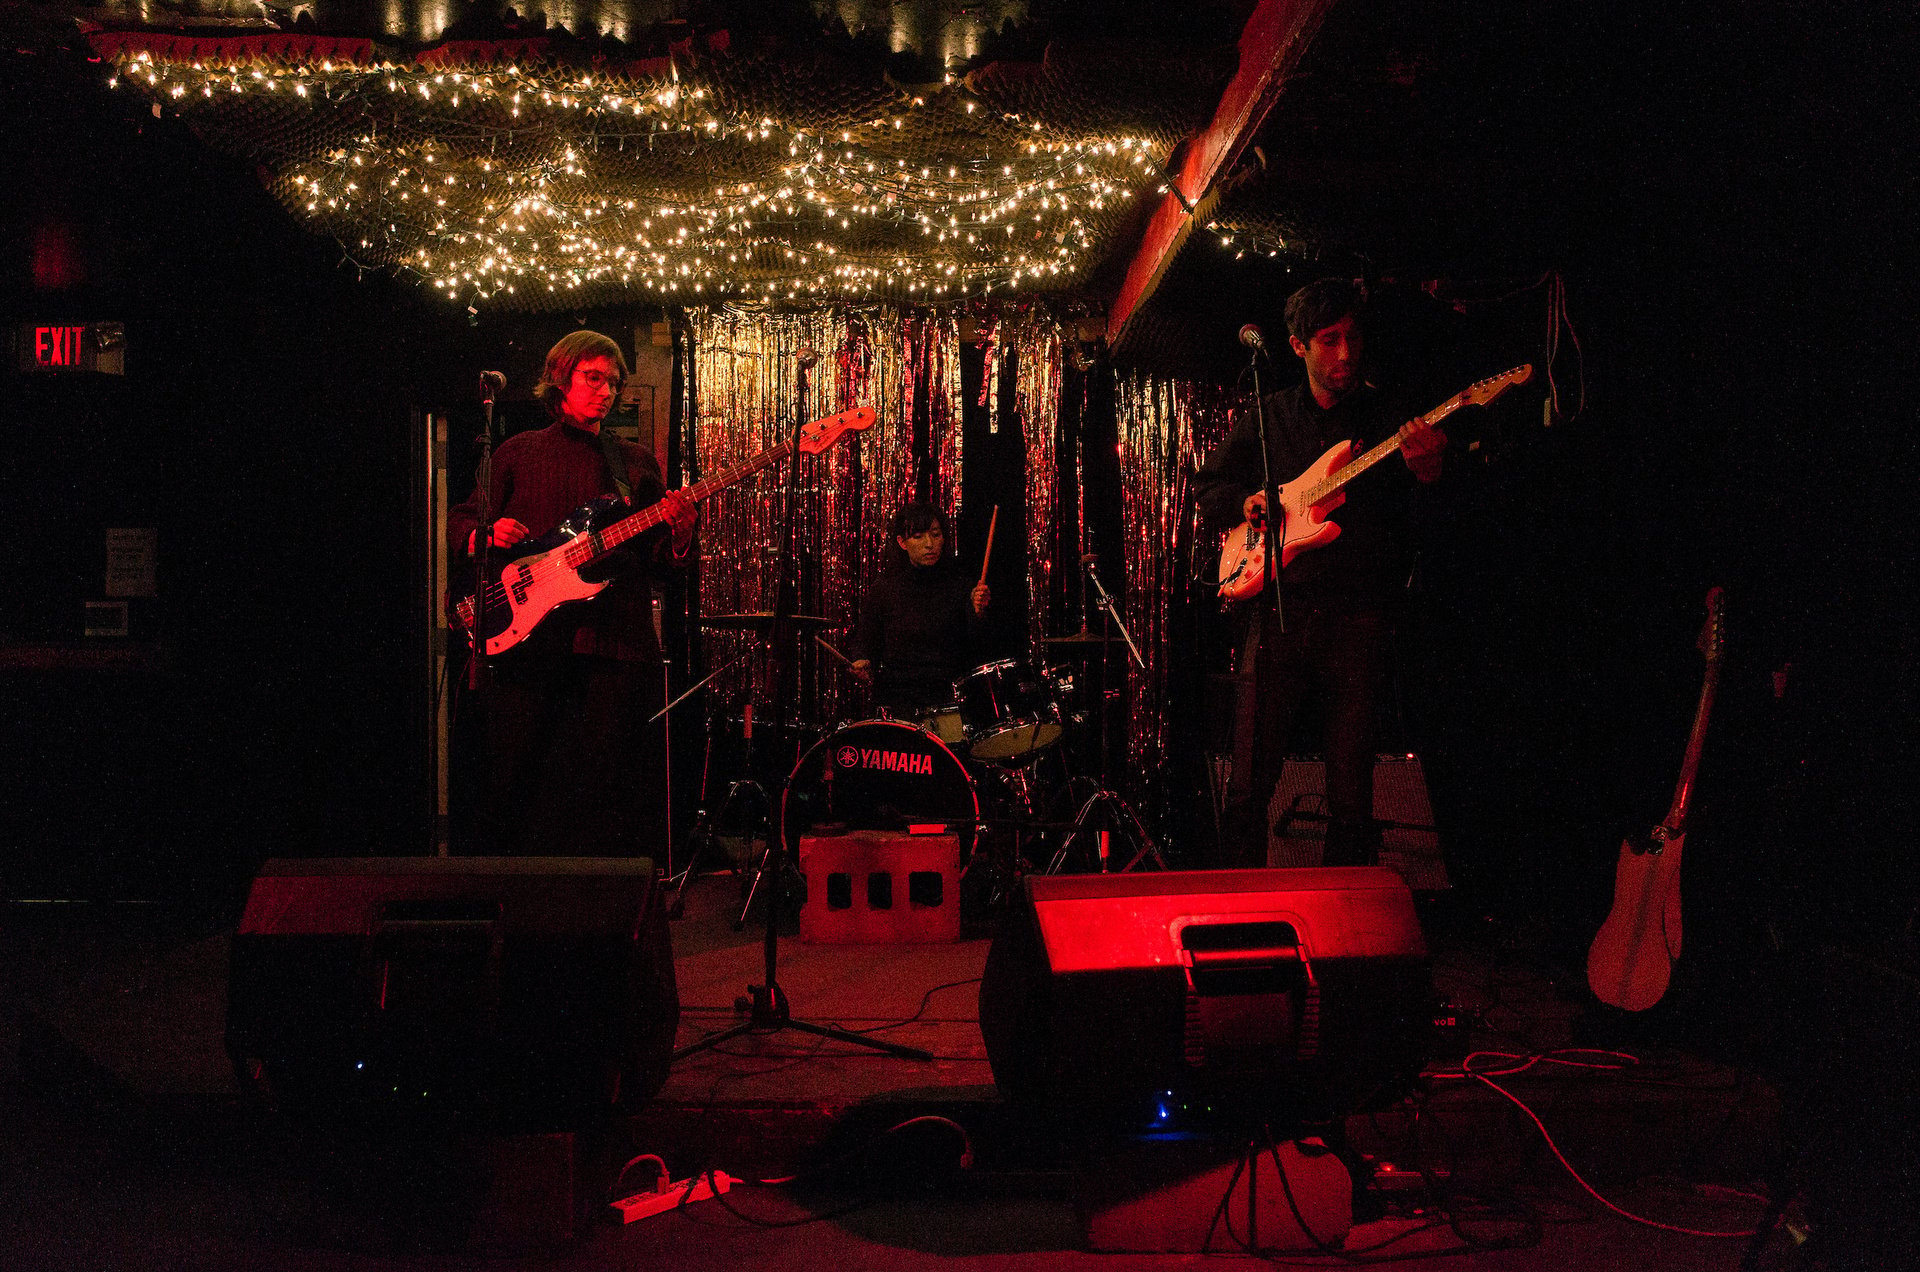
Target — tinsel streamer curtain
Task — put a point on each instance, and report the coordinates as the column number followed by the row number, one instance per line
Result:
column 1166, row 428
column 746, row 378
column 936, row 356
column 1037, row 349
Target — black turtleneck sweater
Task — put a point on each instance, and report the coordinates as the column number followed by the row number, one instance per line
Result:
column 919, row 629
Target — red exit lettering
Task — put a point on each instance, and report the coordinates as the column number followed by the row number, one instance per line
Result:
column 57, row 346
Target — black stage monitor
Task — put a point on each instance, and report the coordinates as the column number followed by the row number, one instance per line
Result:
column 1162, row 997
column 491, row 992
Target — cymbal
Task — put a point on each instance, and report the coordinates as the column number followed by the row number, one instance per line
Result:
column 763, row 621
column 1082, row 638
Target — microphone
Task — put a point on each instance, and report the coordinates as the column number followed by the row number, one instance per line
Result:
column 491, row 382
column 807, row 356
column 1250, row 336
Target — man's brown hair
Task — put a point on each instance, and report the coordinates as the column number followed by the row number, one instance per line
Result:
column 567, row 353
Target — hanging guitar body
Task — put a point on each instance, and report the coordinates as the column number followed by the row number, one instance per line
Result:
column 1631, row 960
column 529, row 592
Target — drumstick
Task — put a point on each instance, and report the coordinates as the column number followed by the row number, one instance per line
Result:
column 988, row 554
column 836, row 653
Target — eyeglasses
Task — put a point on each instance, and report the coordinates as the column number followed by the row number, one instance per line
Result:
column 598, row 379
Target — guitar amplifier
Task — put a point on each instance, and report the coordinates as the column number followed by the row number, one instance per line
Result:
column 1409, row 840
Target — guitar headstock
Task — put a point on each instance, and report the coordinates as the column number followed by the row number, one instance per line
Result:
column 821, row 434
column 1713, row 634
column 1484, row 391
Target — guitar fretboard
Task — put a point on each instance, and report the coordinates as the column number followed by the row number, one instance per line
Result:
column 597, row 543
column 1354, row 467
column 1478, row 395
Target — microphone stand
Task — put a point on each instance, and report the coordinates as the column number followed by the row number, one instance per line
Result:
column 1270, row 586
column 770, row 1012
column 483, row 538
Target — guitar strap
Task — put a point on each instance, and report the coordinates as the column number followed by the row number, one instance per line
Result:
column 616, row 463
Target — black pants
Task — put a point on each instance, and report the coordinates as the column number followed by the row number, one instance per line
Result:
column 1336, row 647
column 557, row 760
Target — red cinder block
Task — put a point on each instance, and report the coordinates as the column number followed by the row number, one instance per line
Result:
column 871, row 887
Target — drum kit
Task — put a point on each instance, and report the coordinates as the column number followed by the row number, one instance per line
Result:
column 987, row 764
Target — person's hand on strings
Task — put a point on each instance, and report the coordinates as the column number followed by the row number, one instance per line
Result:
column 1423, row 446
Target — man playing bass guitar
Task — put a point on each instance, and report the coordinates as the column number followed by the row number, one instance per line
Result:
column 1337, row 600
column 559, row 760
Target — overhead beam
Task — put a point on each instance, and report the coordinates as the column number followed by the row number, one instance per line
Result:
column 1271, row 45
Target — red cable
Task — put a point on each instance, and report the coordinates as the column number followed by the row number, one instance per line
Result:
column 1552, row 1057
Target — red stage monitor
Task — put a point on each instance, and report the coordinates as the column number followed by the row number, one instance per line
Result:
column 1277, row 994
column 510, row 993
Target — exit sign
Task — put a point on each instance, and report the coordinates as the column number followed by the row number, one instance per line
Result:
column 68, row 347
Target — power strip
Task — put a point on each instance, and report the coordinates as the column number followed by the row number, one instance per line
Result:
column 699, row 1188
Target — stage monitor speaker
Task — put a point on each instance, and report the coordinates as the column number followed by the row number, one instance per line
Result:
column 1280, row 996
column 484, row 992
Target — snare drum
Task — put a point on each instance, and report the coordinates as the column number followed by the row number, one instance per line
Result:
column 1008, row 711
column 881, row 775
column 946, row 722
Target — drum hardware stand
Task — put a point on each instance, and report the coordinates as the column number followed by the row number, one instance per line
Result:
column 761, row 866
column 706, row 833
column 769, row 1011
column 1126, row 824
column 1125, row 821
column 703, row 834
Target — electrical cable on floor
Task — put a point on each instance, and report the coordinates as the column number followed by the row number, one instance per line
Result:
column 920, row 1011
column 1520, row 1064
column 661, row 1178
column 1359, row 1255
column 711, row 1175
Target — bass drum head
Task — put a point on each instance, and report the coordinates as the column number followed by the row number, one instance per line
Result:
column 879, row 775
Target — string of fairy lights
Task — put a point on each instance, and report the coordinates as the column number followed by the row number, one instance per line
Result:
column 495, row 181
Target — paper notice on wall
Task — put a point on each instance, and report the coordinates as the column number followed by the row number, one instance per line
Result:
column 132, row 562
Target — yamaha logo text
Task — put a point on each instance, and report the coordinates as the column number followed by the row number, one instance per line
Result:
column 886, row 761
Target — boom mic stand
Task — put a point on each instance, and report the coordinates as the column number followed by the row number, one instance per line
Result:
column 1270, row 587
column 1107, row 800
column 491, row 382
column 769, row 1012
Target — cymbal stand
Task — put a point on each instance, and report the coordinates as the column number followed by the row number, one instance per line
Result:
column 1105, row 800
column 769, row 1011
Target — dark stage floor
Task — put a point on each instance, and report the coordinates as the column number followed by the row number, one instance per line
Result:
column 130, row 1146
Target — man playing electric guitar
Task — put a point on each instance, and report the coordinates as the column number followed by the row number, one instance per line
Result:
column 559, row 761
column 1338, row 600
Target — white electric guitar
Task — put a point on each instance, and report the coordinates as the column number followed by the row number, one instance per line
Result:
column 1307, row 500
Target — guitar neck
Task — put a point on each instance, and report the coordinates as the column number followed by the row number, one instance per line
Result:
column 1676, row 819
column 647, row 518
column 1360, row 464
